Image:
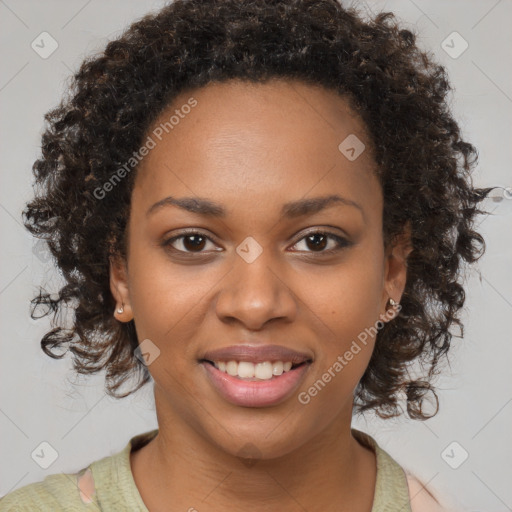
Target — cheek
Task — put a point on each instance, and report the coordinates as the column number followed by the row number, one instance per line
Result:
column 348, row 304
column 358, row 297
column 340, row 364
column 165, row 297
column 349, row 299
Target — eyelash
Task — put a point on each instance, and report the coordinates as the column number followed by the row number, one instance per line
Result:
column 342, row 242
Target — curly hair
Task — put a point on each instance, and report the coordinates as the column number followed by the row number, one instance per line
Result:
column 399, row 91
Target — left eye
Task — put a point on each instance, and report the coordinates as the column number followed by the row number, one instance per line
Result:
column 194, row 242
column 319, row 240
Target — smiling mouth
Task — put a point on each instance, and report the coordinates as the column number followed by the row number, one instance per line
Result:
column 260, row 384
column 255, row 372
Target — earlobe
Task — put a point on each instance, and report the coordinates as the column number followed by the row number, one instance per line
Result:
column 120, row 289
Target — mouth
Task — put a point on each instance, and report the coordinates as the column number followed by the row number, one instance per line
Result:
column 255, row 372
column 264, row 384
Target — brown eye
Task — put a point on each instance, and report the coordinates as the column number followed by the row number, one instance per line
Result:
column 188, row 243
column 193, row 242
column 318, row 241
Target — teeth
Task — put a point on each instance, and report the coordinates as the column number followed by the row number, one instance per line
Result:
column 263, row 371
column 277, row 368
column 232, row 368
column 251, row 371
column 246, row 370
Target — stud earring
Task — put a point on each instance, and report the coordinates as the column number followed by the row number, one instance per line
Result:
column 120, row 309
column 393, row 303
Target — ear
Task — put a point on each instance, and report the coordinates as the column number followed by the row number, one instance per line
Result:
column 120, row 289
column 395, row 274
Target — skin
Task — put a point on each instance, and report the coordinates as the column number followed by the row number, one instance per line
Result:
column 253, row 148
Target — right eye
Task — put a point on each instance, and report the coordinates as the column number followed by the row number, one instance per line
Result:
column 190, row 242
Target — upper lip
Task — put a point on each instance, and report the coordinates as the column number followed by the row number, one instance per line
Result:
column 257, row 354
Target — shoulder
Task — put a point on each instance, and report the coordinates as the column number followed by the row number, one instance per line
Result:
column 59, row 492
column 108, row 481
column 420, row 497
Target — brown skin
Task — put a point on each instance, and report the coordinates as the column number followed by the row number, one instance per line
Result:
column 252, row 148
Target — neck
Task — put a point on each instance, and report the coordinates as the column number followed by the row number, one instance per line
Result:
column 180, row 466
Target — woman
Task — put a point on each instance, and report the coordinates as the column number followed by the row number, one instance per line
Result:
column 264, row 207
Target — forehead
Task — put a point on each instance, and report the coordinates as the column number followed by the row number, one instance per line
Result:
column 274, row 141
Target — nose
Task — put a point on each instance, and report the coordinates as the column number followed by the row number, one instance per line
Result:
column 254, row 293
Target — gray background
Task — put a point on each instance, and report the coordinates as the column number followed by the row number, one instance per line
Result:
column 42, row 401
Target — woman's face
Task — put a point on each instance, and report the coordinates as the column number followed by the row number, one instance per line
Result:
column 258, row 170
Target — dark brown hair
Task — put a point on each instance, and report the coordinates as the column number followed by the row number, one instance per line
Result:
column 399, row 91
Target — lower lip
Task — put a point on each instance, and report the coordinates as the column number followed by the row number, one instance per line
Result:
column 253, row 393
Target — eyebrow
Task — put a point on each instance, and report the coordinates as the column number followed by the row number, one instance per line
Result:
column 302, row 207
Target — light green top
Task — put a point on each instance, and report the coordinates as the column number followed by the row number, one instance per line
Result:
column 115, row 488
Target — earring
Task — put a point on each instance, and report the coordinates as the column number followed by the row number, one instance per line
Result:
column 393, row 303
column 120, row 309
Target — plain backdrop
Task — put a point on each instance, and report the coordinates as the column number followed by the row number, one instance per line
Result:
column 463, row 454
